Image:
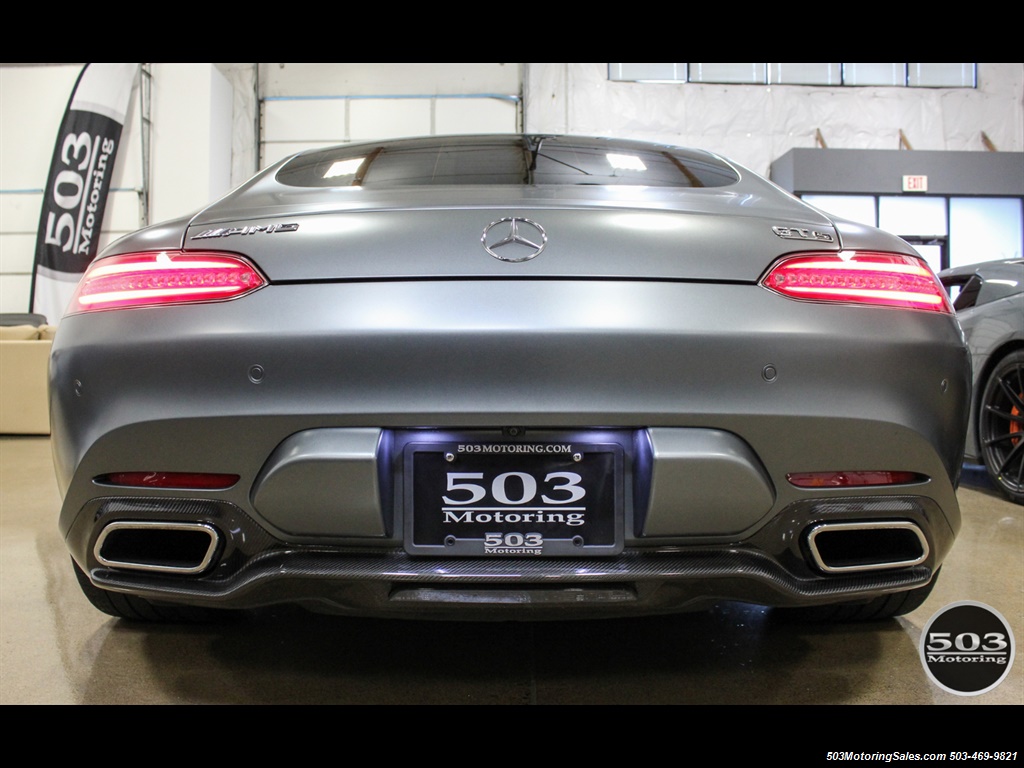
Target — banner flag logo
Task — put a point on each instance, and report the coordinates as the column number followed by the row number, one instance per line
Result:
column 75, row 196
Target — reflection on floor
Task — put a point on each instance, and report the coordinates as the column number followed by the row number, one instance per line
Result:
column 57, row 649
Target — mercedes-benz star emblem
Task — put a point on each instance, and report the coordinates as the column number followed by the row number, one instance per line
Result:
column 514, row 239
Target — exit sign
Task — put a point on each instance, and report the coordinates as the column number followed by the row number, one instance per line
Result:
column 915, row 183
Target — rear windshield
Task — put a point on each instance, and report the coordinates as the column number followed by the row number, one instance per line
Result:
column 506, row 160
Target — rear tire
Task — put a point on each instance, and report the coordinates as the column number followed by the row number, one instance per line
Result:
column 877, row 609
column 1001, row 426
column 135, row 608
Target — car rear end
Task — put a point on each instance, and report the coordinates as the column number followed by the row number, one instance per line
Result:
column 663, row 405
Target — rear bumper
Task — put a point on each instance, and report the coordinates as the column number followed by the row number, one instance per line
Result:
column 738, row 537
column 252, row 570
column 709, row 410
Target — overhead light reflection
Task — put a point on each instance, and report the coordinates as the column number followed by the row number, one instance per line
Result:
column 651, row 221
column 344, row 168
column 626, row 162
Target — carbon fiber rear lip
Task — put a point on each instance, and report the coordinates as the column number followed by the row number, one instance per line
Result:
column 287, row 576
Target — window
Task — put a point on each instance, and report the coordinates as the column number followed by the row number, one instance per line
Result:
column 805, row 74
column 984, row 229
column 513, row 160
column 947, row 231
column 874, row 74
column 942, row 75
column 905, row 215
column 728, row 73
column 902, row 75
column 671, row 73
column 859, row 208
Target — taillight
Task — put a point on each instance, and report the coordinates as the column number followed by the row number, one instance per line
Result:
column 208, row 481
column 852, row 479
column 162, row 277
column 859, row 277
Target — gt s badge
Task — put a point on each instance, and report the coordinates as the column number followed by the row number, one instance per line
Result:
column 798, row 233
column 228, row 231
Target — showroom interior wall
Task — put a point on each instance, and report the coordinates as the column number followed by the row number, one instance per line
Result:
column 212, row 125
column 754, row 124
column 312, row 105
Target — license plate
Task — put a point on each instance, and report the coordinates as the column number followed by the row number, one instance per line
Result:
column 513, row 500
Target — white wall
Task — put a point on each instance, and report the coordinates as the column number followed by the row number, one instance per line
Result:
column 192, row 133
column 309, row 105
column 754, row 125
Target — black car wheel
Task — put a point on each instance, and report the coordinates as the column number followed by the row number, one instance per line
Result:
column 1001, row 426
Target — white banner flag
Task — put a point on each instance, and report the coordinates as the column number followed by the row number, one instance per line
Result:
column 75, row 196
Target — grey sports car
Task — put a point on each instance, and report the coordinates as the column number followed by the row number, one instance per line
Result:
column 989, row 302
column 508, row 377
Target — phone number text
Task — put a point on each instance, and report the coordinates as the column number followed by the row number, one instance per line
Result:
column 888, row 757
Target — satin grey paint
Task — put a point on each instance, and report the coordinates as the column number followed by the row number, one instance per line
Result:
column 323, row 482
column 385, row 316
column 705, row 482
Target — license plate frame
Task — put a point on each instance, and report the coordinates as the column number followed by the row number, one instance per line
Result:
column 486, row 499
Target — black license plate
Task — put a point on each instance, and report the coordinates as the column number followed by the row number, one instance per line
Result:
column 513, row 500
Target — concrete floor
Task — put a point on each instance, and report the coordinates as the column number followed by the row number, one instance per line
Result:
column 57, row 649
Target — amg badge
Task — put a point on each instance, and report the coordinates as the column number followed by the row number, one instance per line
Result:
column 228, row 231
column 797, row 233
